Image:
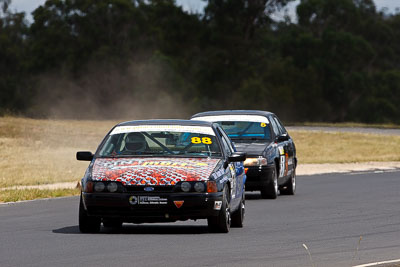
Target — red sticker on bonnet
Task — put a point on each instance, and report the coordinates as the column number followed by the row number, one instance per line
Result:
column 154, row 171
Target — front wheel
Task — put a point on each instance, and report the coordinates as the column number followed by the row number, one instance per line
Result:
column 222, row 222
column 238, row 215
column 290, row 187
column 87, row 224
column 270, row 191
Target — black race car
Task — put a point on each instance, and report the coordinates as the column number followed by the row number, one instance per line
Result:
column 163, row 171
column 271, row 154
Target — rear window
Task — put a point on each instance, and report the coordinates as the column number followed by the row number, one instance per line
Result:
column 246, row 130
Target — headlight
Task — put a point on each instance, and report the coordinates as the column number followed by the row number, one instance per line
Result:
column 185, row 186
column 199, row 187
column 255, row 161
column 98, row 187
column 112, row 187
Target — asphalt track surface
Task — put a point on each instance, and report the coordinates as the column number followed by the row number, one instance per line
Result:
column 329, row 213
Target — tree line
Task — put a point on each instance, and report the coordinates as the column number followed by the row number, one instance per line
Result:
column 339, row 61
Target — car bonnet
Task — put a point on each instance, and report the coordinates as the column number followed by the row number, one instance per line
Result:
column 251, row 148
column 152, row 171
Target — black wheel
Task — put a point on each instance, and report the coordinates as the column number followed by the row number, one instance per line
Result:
column 270, row 191
column 87, row 224
column 238, row 215
column 290, row 187
column 222, row 222
column 112, row 223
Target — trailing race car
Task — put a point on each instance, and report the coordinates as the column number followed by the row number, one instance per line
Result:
column 271, row 154
column 163, row 171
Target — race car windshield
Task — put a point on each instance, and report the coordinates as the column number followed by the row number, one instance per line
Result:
column 160, row 143
column 245, row 130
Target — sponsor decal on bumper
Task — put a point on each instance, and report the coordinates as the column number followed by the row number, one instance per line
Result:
column 148, row 200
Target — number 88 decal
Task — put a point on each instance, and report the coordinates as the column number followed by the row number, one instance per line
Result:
column 204, row 140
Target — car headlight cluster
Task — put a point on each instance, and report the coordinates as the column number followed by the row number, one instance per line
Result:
column 199, row 187
column 186, row 186
column 196, row 186
column 102, row 187
column 260, row 161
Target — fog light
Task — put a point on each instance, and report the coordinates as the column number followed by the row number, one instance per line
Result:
column 112, row 187
column 98, row 187
column 199, row 187
column 185, row 186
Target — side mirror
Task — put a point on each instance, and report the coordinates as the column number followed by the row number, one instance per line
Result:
column 237, row 156
column 282, row 138
column 84, row 155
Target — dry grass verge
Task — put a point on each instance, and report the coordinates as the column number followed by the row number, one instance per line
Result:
column 35, row 152
column 43, row 151
column 338, row 147
column 347, row 124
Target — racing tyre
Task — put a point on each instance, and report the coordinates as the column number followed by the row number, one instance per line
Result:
column 112, row 223
column 222, row 222
column 87, row 224
column 270, row 191
column 238, row 215
column 290, row 187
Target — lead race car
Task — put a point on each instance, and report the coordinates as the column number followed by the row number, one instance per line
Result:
column 271, row 162
column 163, row 171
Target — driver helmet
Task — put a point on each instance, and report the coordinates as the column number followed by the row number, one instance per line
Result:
column 135, row 142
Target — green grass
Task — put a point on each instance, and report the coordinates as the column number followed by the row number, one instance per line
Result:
column 29, row 194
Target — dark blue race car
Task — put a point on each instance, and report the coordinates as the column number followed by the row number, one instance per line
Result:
column 163, row 171
column 271, row 154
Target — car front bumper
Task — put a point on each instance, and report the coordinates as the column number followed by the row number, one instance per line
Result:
column 151, row 207
column 258, row 176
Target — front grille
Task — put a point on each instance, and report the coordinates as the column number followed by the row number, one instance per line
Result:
column 135, row 188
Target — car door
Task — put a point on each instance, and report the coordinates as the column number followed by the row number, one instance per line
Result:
column 239, row 168
column 278, row 145
column 231, row 170
column 286, row 151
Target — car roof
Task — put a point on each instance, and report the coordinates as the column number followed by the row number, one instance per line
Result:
column 232, row 112
column 166, row 122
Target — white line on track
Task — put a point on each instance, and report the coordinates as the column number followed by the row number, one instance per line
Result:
column 372, row 171
column 377, row 263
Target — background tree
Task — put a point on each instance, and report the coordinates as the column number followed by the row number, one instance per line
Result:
column 14, row 87
column 92, row 58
